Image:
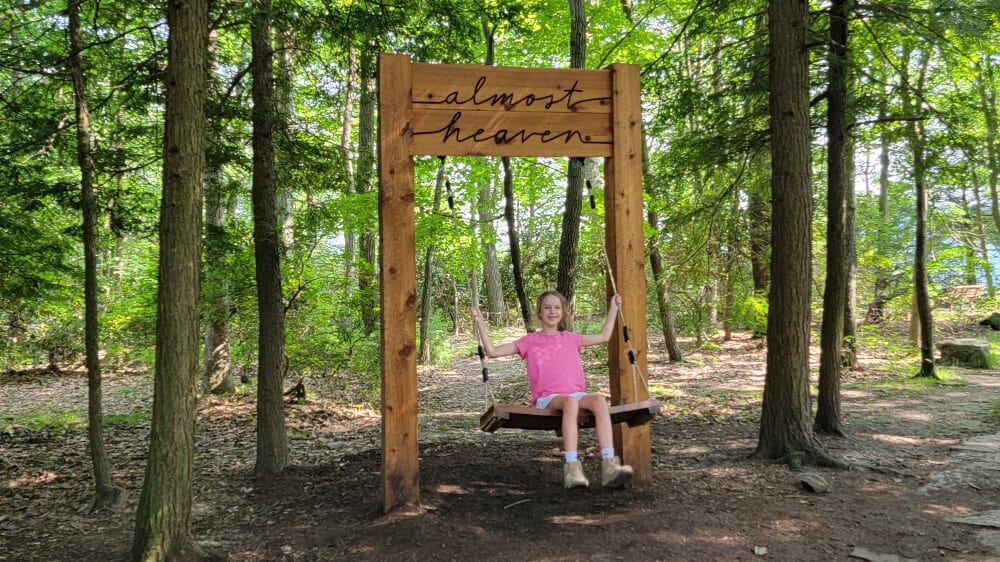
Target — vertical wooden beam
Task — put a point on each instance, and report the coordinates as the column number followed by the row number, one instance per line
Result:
column 627, row 256
column 398, row 274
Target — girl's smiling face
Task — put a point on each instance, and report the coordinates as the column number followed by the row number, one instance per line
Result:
column 550, row 312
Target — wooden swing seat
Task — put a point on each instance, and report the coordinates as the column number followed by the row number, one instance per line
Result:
column 526, row 417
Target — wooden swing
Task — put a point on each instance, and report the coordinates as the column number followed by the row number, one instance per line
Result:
column 499, row 415
column 525, row 417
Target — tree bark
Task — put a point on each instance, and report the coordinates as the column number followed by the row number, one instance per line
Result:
column 272, row 442
column 350, row 237
column 425, row 295
column 514, row 240
column 921, row 292
column 570, row 234
column 285, row 115
column 984, row 254
column 850, row 352
column 106, row 494
column 663, row 306
column 835, row 290
column 785, row 428
column 759, row 212
column 495, row 306
column 364, row 180
column 163, row 517
column 216, row 367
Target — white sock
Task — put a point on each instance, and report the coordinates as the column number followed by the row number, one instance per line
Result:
column 608, row 453
column 571, row 456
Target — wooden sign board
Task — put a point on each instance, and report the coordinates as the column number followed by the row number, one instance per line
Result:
column 496, row 111
column 456, row 110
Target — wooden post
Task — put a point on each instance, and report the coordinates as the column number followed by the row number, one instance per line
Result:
column 397, row 267
column 627, row 256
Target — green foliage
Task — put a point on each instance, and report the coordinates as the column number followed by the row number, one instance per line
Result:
column 705, row 117
column 750, row 311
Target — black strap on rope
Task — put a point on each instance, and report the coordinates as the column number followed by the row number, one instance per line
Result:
column 490, row 398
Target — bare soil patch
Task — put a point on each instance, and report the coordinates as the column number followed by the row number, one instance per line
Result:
column 923, row 458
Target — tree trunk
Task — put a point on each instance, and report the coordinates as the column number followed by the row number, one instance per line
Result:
column 984, row 254
column 285, row 115
column 495, row 305
column 216, row 367
column 785, row 428
column 272, row 442
column 514, row 241
column 570, row 234
column 364, row 180
column 663, row 305
column 850, row 357
column 988, row 97
column 425, row 295
column 106, row 494
column 163, row 517
column 759, row 211
column 350, row 237
column 835, row 291
column 921, row 292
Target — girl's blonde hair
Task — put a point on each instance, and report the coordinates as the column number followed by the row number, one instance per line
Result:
column 563, row 326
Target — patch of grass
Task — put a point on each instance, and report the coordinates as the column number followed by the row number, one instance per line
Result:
column 995, row 411
column 663, row 392
column 52, row 421
column 129, row 391
column 909, row 386
column 135, row 418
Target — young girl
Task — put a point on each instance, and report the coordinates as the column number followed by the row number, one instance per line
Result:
column 555, row 375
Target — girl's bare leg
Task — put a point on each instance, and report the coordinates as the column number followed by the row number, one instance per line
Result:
column 570, row 428
column 602, row 419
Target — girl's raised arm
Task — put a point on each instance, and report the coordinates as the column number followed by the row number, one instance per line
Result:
column 609, row 324
column 502, row 350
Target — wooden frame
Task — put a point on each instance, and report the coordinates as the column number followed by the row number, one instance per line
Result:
column 443, row 110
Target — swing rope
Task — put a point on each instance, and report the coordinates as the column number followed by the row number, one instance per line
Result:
column 637, row 373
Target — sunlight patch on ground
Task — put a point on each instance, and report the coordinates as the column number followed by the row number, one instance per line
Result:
column 894, row 439
column 31, row 480
column 946, row 510
column 451, row 489
column 587, row 519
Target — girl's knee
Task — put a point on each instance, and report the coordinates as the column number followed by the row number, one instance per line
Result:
column 593, row 402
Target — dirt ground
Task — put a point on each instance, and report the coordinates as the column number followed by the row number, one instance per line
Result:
column 924, row 457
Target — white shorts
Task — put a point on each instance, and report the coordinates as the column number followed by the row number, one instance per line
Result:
column 543, row 402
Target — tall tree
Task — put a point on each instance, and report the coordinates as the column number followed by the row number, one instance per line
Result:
column 163, row 518
column 495, row 303
column 106, row 492
column 913, row 92
column 216, row 365
column 514, row 240
column 835, row 290
column 424, row 312
column 785, row 428
column 272, row 442
column 364, row 182
column 570, row 234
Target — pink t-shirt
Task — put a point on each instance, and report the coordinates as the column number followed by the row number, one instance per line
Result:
column 553, row 363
